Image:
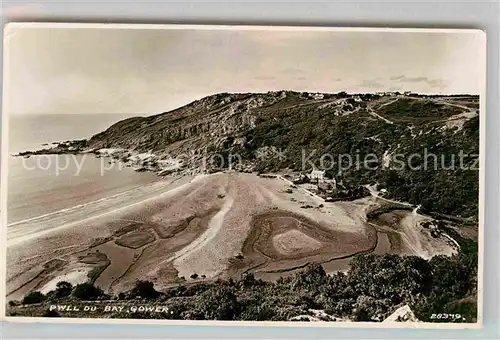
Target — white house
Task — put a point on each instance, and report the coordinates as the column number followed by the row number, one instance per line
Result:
column 317, row 175
column 317, row 95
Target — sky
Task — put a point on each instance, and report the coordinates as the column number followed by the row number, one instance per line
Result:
column 77, row 69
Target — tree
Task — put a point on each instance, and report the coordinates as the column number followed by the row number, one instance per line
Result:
column 309, row 279
column 144, row 289
column 33, row 297
column 87, row 291
column 247, row 280
column 257, row 311
column 63, row 289
column 219, row 303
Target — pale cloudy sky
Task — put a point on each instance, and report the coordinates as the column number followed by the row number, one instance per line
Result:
column 147, row 71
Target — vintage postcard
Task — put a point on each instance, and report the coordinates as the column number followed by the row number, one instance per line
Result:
column 187, row 174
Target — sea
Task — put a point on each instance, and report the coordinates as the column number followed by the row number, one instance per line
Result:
column 43, row 184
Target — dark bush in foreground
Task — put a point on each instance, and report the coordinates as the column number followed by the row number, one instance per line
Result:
column 144, row 289
column 87, row 291
column 218, row 303
column 63, row 289
column 255, row 311
column 374, row 288
column 33, row 297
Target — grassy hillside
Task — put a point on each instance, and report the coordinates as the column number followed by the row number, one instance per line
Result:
column 441, row 187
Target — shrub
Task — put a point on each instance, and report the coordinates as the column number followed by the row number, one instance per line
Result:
column 87, row 291
column 310, row 278
column 144, row 289
column 63, row 289
column 218, row 303
column 196, row 289
column 256, row 311
column 247, row 280
column 33, row 297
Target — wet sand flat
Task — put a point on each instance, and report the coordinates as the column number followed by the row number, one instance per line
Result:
column 218, row 225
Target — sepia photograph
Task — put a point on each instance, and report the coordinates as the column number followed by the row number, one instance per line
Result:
column 267, row 175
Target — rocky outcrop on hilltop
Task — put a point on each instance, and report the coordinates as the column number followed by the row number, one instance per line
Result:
column 211, row 122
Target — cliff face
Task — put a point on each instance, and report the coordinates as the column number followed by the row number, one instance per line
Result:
column 204, row 123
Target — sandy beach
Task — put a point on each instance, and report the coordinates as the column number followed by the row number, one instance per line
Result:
column 201, row 228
